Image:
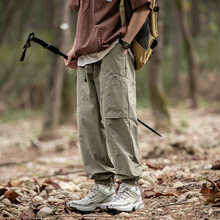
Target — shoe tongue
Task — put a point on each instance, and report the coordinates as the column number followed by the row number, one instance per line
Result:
column 105, row 188
column 123, row 185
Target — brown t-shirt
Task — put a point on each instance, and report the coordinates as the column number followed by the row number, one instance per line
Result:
column 98, row 24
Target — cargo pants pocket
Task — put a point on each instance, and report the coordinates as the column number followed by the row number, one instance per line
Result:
column 118, row 100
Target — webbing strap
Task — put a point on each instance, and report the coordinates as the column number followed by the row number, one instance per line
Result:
column 128, row 9
column 125, row 11
column 122, row 13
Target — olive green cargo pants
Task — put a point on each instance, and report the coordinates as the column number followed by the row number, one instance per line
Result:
column 107, row 120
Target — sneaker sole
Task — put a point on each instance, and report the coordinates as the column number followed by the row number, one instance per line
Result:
column 128, row 208
column 89, row 208
column 84, row 209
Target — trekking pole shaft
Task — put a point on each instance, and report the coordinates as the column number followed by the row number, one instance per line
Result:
column 49, row 47
column 149, row 127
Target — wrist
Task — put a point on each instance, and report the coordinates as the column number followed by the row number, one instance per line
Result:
column 125, row 44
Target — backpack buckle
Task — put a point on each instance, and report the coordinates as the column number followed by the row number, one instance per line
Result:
column 156, row 9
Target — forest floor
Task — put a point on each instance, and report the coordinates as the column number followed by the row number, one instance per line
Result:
column 38, row 177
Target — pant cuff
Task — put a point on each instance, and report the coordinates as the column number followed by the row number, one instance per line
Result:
column 133, row 181
column 107, row 182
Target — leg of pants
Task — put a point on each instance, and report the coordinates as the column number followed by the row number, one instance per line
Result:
column 92, row 139
column 107, row 118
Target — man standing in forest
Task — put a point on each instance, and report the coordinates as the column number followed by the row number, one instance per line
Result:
column 106, row 102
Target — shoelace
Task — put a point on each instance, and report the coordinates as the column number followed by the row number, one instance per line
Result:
column 93, row 191
column 126, row 193
column 122, row 193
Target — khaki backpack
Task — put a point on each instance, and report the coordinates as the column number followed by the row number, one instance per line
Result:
column 146, row 40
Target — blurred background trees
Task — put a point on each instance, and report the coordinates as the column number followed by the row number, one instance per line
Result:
column 156, row 93
column 185, row 67
column 58, row 101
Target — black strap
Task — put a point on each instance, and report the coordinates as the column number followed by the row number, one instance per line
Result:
column 128, row 9
column 44, row 44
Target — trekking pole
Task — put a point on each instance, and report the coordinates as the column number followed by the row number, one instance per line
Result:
column 44, row 44
column 153, row 130
column 55, row 50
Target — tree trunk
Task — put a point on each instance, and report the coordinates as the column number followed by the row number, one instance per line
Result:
column 56, row 76
column 177, row 42
column 35, row 14
column 195, row 15
column 8, row 18
column 208, row 12
column 218, row 16
column 156, row 93
column 48, row 12
column 68, row 102
column 192, row 58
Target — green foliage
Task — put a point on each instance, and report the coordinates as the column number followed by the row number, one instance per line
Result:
column 13, row 114
column 208, row 48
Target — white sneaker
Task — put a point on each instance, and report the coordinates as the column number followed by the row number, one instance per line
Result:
column 98, row 195
column 127, row 199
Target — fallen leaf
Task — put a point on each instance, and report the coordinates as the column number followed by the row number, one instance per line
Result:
column 158, row 194
column 212, row 194
column 37, row 185
column 153, row 194
column 12, row 196
column 9, row 184
column 214, row 188
column 154, row 167
column 164, row 194
column 50, row 182
column 218, row 183
column 148, row 193
column 205, row 191
column 168, row 194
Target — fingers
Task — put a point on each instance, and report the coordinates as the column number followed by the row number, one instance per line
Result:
column 71, row 62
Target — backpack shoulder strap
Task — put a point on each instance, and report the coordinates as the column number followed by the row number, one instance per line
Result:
column 122, row 13
column 153, row 18
column 125, row 11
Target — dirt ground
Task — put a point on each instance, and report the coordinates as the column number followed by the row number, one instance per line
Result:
column 38, row 177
